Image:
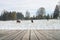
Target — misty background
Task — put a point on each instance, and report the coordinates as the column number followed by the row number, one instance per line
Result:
column 31, row 5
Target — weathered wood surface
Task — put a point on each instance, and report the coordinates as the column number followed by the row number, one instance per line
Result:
column 29, row 34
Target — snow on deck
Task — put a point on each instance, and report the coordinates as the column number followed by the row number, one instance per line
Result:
column 38, row 24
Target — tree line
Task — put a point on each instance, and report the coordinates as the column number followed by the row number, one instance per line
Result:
column 40, row 14
column 11, row 15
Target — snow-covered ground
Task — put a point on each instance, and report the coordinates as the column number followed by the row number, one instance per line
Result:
column 38, row 24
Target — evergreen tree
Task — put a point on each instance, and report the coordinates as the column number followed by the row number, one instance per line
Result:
column 5, row 15
column 48, row 17
column 13, row 15
column 56, row 12
column 19, row 15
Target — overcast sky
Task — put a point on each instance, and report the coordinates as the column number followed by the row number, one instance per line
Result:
column 31, row 5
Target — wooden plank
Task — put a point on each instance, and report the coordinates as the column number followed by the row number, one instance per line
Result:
column 26, row 36
column 20, row 35
column 33, row 36
column 47, row 36
column 9, row 34
column 40, row 37
column 55, row 33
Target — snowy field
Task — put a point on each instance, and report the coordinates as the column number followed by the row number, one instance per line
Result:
column 38, row 24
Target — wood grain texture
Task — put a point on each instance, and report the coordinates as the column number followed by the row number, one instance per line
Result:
column 29, row 34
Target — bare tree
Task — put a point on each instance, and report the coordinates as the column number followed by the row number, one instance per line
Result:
column 41, row 12
column 27, row 14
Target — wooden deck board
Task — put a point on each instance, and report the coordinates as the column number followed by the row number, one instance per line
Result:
column 30, row 35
